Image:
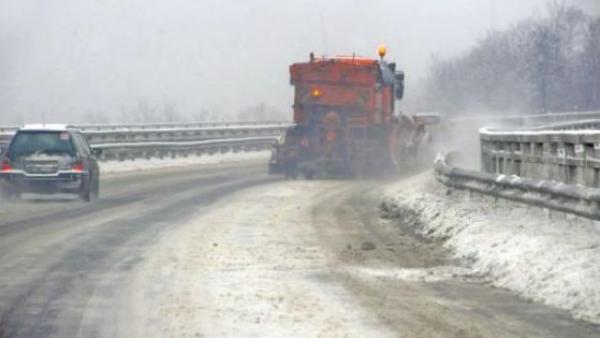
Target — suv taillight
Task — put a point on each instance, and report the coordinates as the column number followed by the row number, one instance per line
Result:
column 77, row 166
column 5, row 165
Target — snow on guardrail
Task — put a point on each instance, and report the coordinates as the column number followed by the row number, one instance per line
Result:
column 174, row 125
column 536, row 131
column 187, row 129
column 147, row 150
column 535, row 119
column 191, row 144
column 163, row 126
column 573, row 199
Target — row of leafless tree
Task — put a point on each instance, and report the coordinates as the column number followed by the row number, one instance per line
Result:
column 539, row 65
column 145, row 112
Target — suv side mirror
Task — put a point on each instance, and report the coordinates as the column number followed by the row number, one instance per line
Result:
column 399, row 87
column 96, row 152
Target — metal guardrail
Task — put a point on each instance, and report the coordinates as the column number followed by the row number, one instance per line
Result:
column 573, row 199
column 586, row 124
column 179, row 134
column 161, row 125
column 529, row 120
column 554, row 166
column 147, row 150
column 172, row 125
column 121, row 142
column 182, row 134
column 163, row 132
column 569, row 156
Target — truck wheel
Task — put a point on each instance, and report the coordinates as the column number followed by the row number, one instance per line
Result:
column 291, row 171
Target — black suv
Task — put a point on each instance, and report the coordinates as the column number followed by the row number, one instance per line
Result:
column 49, row 159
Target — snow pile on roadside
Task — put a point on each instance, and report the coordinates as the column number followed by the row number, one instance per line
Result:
column 546, row 257
column 155, row 163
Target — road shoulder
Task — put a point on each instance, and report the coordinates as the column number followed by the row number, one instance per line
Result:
column 548, row 257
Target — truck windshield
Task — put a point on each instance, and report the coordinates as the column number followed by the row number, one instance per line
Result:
column 28, row 143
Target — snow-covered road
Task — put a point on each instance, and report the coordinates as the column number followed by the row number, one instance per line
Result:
column 114, row 167
column 223, row 250
column 315, row 259
column 253, row 267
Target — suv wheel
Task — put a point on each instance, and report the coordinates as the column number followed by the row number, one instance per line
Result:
column 90, row 190
column 95, row 193
column 84, row 193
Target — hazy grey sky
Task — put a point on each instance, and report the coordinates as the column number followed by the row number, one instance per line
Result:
column 67, row 57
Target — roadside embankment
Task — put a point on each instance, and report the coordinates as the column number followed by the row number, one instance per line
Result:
column 545, row 256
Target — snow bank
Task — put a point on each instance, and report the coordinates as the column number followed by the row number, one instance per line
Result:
column 544, row 256
column 155, row 163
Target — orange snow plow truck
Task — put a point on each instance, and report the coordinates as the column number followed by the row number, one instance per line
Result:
column 344, row 122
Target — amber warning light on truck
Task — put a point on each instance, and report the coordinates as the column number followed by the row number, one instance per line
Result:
column 381, row 51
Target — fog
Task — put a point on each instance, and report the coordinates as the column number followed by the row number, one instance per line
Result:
column 65, row 59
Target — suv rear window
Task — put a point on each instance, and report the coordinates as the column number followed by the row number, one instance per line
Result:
column 27, row 143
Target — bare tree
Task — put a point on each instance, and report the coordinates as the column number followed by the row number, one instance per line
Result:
column 542, row 65
column 170, row 112
column 260, row 112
